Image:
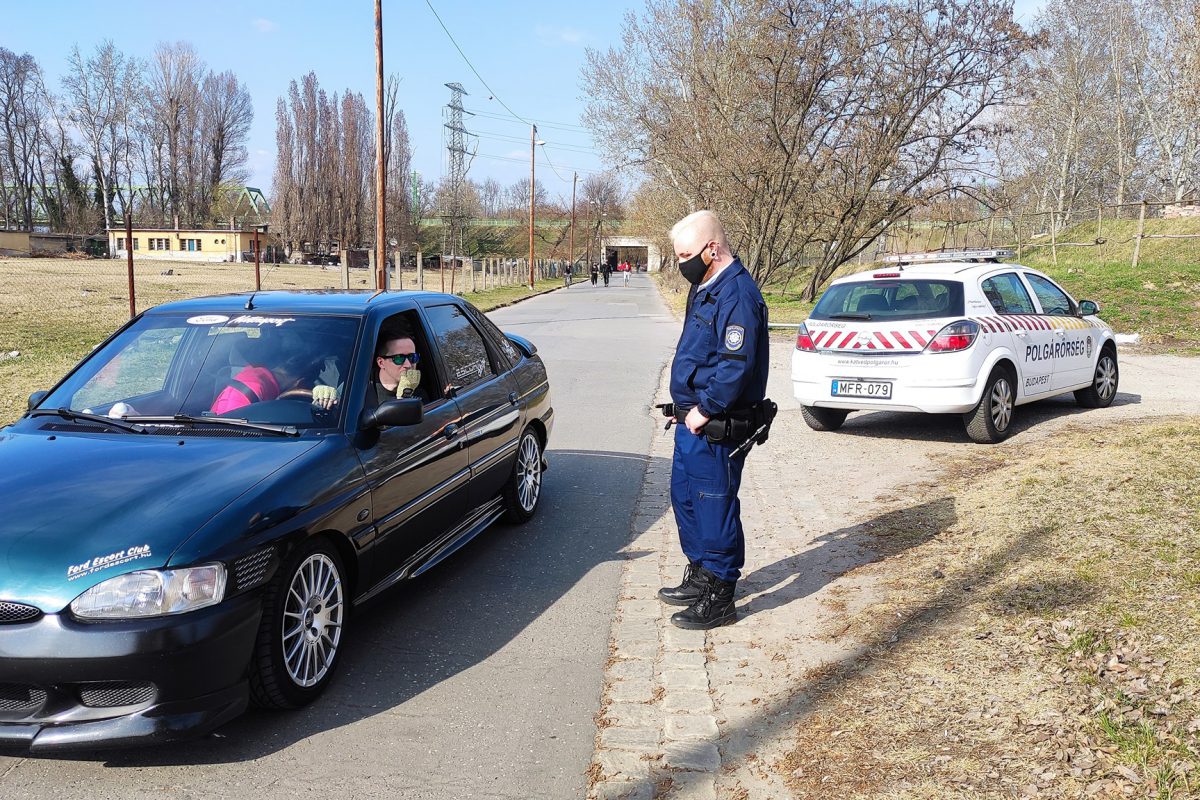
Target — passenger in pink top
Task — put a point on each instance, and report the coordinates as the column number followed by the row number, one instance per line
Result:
column 251, row 385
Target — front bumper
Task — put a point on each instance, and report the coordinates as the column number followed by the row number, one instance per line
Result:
column 65, row 684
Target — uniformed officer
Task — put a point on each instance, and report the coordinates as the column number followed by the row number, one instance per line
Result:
column 719, row 372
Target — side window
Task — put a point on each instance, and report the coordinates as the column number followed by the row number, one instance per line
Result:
column 399, row 336
column 461, row 344
column 1053, row 299
column 1007, row 295
column 509, row 354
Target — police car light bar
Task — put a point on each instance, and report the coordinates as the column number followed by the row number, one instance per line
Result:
column 969, row 254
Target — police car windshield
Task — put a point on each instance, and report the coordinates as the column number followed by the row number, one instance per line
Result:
column 892, row 299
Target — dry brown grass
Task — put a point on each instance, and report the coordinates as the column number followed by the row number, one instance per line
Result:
column 1042, row 645
column 55, row 310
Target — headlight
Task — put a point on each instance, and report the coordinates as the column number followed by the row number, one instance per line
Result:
column 152, row 593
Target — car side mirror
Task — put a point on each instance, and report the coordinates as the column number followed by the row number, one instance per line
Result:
column 36, row 398
column 524, row 345
column 407, row 411
column 1089, row 308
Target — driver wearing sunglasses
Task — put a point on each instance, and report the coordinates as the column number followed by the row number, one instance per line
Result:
column 399, row 374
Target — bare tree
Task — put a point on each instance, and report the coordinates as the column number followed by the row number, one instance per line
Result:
column 98, row 90
column 810, row 127
column 22, row 123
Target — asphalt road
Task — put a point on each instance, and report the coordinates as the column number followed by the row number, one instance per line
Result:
column 479, row 679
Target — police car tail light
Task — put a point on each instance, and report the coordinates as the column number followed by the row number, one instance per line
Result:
column 954, row 337
column 804, row 341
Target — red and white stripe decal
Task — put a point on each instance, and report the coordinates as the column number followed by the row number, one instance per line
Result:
column 910, row 341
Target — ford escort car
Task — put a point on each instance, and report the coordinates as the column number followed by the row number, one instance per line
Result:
column 950, row 333
column 192, row 513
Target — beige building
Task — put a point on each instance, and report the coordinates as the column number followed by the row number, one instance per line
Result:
column 188, row 244
column 24, row 243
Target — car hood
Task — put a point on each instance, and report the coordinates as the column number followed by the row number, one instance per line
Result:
column 79, row 509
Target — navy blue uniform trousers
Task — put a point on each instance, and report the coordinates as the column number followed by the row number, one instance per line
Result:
column 704, row 495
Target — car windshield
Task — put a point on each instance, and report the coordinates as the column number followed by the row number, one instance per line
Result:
column 263, row 368
column 894, row 299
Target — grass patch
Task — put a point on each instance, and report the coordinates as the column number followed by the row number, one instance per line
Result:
column 1041, row 645
column 56, row 310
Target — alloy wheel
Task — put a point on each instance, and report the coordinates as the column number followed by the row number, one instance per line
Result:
column 1106, row 378
column 312, row 620
column 529, row 473
column 1000, row 404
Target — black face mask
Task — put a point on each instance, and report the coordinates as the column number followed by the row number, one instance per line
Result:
column 694, row 268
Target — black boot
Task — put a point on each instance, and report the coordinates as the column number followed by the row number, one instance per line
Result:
column 690, row 590
column 712, row 609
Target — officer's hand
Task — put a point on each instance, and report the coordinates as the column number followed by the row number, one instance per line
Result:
column 324, row 397
column 695, row 420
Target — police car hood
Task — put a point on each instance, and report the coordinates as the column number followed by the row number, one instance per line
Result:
column 79, row 509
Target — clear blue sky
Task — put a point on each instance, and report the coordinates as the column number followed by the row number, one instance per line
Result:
column 530, row 53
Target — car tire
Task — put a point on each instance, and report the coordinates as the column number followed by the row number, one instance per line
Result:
column 301, row 635
column 989, row 422
column 1104, row 382
column 523, row 490
column 823, row 419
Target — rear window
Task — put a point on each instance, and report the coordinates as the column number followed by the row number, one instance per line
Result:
column 891, row 299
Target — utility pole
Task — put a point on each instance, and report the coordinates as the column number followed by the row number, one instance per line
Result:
column 257, row 269
column 574, row 180
column 129, row 261
column 380, row 176
column 532, row 195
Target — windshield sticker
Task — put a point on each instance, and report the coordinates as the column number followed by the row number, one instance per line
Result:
column 250, row 319
column 94, row 565
column 208, row 319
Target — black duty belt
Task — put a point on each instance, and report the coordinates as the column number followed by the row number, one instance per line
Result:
column 739, row 428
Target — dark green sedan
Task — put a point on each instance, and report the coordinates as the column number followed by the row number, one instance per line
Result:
column 192, row 513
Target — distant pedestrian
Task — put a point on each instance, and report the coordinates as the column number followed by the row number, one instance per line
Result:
column 595, row 273
column 606, row 271
column 567, row 276
column 625, row 275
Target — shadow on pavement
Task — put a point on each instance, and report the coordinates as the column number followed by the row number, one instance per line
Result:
column 949, row 427
column 452, row 618
column 840, row 551
column 803, row 698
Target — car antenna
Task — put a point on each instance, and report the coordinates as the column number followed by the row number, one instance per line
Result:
column 250, row 301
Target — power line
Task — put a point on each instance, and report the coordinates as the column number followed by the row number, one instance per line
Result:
column 551, row 163
column 583, row 151
column 526, row 161
column 540, row 122
column 472, row 66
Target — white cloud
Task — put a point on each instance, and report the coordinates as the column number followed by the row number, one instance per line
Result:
column 265, row 25
column 551, row 35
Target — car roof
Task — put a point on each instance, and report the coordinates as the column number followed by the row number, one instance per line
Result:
column 937, row 269
column 312, row 301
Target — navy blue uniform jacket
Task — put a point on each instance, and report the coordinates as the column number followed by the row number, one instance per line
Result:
column 722, row 357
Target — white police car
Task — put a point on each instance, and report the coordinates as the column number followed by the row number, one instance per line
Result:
column 950, row 333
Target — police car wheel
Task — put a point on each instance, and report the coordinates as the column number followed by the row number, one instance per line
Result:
column 823, row 419
column 989, row 421
column 1104, row 382
column 524, row 487
column 300, row 637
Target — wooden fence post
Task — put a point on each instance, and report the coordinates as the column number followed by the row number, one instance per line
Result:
column 1141, row 230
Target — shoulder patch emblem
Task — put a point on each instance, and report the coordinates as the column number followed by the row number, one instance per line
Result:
column 735, row 335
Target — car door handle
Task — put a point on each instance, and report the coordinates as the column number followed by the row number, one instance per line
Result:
column 1020, row 333
column 512, row 398
column 451, row 431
